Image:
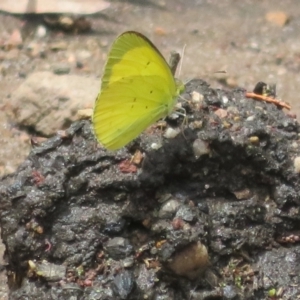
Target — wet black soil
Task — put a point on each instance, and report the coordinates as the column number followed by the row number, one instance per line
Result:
column 210, row 214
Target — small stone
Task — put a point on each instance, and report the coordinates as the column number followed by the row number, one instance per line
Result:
column 61, row 69
column 160, row 226
column 41, row 31
column 137, row 157
column 250, row 118
column 66, row 22
column 226, row 124
column 168, row 209
column 171, row 133
column 243, row 194
column 49, row 271
column 128, row 262
column 254, row 139
column 197, row 100
column 164, row 197
column 178, row 223
column 186, row 213
column 197, row 97
column 278, row 18
column 297, row 164
column 146, row 281
column 123, row 284
column 126, row 166
column 231, row 82
column 200, row 148
column 190, row 262
column 225, row 99
column 196, row 124
column 118, row 247
column 79, row 64
column 221, row 113
column 83, row 114
column 155, row 146
column 115, row 226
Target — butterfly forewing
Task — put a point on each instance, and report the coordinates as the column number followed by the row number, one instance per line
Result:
column 137, row 89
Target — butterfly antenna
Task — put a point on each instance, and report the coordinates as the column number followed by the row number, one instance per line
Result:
column 180, row 65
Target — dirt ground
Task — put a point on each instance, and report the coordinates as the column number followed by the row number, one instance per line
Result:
column 238, row 37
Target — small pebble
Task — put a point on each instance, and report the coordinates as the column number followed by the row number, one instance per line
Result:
column 200, row 148
column 61, row 69
column 225, row 99
column 278, row 18
column 186, row 213
column 254, row 139
column 196, row 124
column 41, row 31
column 168, row 209
column 171, row 133
column 197, row 97
column 79, row 64
column 123, row 284
column 231, row 82
column 128, row 262
column 243, row 194
column 83, row 114
column 251, row 118
column 190, row 262
column 297, row 164
column 221, row 113
column 118, row 247
column 49, row 271
column 155, row 146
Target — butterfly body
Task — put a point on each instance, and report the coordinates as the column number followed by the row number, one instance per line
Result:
column 138, row 88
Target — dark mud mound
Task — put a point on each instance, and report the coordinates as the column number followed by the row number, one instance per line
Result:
column 212, row 213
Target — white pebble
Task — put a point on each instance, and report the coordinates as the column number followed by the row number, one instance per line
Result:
column 251, row 118
column 155, row 146
column 171, row 133
column 41, row 31
column 196, row 97
column 200, row 148
column 225, row 99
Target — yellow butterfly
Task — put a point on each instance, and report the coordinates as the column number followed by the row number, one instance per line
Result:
column 138, row 88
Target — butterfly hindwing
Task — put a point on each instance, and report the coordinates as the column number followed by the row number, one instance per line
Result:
column 125, row 111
